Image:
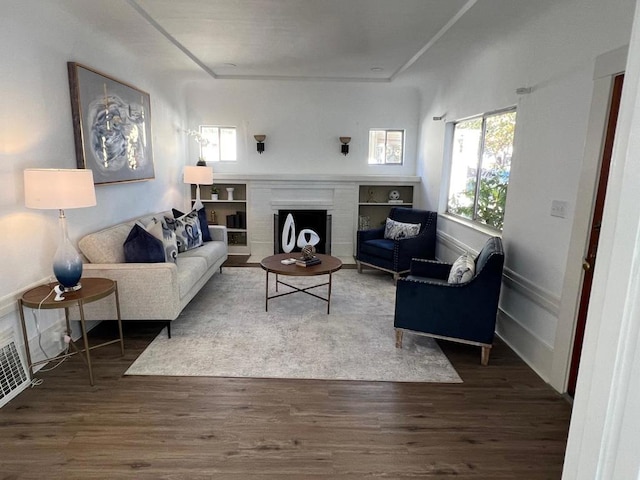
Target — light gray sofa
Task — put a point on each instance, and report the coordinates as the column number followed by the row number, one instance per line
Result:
column 149, row 291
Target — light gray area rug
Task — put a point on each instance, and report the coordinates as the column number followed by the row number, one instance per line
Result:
column 225, row 332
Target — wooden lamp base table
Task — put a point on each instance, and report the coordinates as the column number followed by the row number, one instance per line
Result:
column 43, row 297
column 273, row 264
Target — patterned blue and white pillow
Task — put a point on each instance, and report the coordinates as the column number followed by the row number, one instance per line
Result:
column 159, row 229
column 462, row 270
column 398, row 230
column 187, row 229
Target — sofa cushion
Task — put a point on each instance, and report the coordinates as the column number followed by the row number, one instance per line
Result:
column 210, row 251
column 187, row 229
column 398, row 230
column 142, row 247
column 190, row 271
column 378, row 247
column 462, row 270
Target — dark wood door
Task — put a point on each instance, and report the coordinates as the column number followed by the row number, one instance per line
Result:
column 594, row 236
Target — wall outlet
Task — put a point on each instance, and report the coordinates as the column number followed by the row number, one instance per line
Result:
column 57, row 339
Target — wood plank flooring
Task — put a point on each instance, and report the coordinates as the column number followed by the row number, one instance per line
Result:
column 503, row 422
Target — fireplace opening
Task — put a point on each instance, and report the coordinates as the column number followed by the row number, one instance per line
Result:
column 317, row 220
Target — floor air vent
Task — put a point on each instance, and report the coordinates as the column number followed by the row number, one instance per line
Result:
column 13, row 377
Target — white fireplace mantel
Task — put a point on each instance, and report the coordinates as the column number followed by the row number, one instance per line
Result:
column 300, row 177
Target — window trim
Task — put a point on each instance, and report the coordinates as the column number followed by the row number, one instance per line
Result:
column 472, row 222
column 386, row 131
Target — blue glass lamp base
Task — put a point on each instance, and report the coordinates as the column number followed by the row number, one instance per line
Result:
column 67, row 266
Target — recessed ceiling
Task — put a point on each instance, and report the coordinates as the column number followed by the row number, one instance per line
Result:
column 345, row 40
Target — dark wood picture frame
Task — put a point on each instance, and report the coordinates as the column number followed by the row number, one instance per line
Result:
column 111, row 126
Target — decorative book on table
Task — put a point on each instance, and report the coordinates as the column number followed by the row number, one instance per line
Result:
column 308, row 263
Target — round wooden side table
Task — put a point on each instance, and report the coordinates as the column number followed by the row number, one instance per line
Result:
column 43, row 297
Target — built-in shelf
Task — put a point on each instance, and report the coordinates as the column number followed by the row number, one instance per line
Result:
column 225, row 211
column 374, row 205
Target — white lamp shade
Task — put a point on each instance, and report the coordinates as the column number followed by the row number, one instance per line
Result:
column 197, row 175
column 61, row 189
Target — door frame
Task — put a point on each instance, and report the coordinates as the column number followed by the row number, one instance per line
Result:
column 607, row 66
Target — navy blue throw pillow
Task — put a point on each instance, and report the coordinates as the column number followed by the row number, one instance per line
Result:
column 142, row 247
column 202, row 219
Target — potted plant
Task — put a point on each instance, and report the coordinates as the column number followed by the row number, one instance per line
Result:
column 214, row 192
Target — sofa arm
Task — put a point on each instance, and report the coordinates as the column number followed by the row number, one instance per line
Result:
column 147, row 291
column 430, row 269
column 371, row 234
column 218, row 233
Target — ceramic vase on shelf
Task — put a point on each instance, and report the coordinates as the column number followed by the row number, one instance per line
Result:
column 230, row 193
column 214, row 196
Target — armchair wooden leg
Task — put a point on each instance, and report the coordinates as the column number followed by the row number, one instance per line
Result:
column 359, row 266
column 484, row 357
column 399, row 338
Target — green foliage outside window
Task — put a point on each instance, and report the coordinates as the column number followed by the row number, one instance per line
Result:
column 483, row 159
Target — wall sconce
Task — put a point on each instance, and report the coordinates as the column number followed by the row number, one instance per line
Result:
column 345, row 145
column 260, row 139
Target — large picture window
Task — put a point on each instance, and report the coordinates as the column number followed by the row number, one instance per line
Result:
column 386, row 147
column 480, row 165
column 219, row 143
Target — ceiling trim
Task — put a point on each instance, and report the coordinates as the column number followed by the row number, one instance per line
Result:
column 144, row 14
column 465, row 8
column 303, row 79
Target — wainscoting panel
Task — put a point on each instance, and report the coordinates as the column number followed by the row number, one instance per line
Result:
column 536, row 353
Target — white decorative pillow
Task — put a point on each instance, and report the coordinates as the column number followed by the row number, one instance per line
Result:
column 159, row 229
column 463, row 269
column 187, row 230
column 397, row 230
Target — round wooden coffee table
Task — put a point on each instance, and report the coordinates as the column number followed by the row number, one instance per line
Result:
column 273, row 264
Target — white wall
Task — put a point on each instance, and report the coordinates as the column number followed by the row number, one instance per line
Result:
column 302, row 121
column 603, row 435
column 552, row 48
column 36, row 42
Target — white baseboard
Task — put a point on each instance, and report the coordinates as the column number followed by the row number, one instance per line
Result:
column 535, row 353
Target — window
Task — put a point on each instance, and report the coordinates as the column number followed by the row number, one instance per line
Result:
column 386, row 147
column 480, row 165
column 218, row 143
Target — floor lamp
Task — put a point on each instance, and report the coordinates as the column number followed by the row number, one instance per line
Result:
column 198, row 175
column 61, row 189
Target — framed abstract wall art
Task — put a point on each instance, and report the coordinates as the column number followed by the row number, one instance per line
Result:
column 111, row 125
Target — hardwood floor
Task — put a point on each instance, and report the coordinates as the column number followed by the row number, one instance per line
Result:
column 503, row 422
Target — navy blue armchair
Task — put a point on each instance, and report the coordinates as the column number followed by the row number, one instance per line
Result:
column 394, row 256
column 427, row 304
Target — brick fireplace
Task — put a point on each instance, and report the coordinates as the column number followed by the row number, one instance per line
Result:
column 337, row 199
